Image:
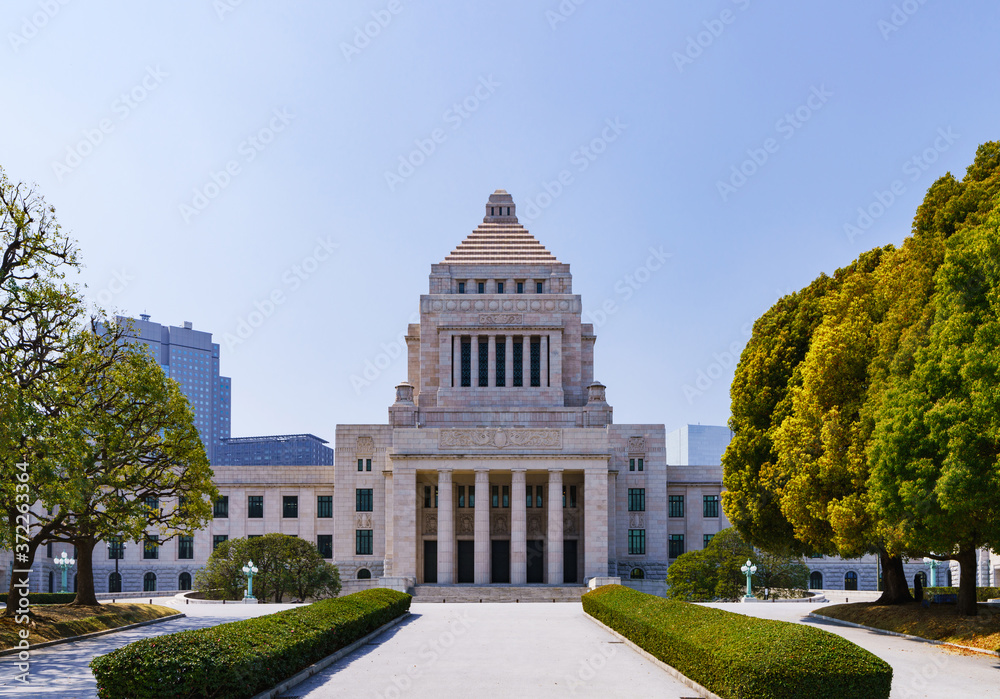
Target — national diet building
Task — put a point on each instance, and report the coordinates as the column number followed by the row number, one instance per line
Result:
column 501, row 462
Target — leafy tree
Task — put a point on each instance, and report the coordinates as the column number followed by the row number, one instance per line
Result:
column 286, row 565
column 937, row 440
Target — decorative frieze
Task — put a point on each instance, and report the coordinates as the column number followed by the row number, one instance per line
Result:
column 636, row 445
column 366, row 445
column 430, row 523
column 570, row 526
column 501, row 319
column 499, row 525
column 500, row 437
column 364, row 520
column 636, row 520
column 536, row 525
column 466, row 524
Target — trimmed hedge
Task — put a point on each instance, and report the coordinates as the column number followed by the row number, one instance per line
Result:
column 243, row 658
column 982, row 593
column 737, row 656
column 45, row 597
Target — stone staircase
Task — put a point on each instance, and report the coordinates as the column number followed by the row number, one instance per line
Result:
column 498, row 593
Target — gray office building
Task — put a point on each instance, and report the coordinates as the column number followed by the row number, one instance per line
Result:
column 276, row 450
column 191, row 358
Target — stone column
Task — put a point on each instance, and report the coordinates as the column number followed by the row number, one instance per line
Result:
column 518, row 529
column 444, row 359
column 404, row 526
column 491, row 361
column 474, row 359
column 526, row 361
column 509, row 362
column 544, row 363
column 388, row 507
column 482, row 514
column 595, row 508
column 456, row 368
column 555, row 352
column 446, row 529
column 554, row 545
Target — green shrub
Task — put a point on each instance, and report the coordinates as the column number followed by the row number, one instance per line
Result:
column 44, row 597
column 982, row 593
column 244, row 657
column 737, row 656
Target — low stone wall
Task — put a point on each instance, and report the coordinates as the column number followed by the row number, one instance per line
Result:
column 135, row 595
column 650, row 587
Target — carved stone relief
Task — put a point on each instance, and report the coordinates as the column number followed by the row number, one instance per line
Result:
column 499, row 525
column 536, row 525
column 366, row 445
column 636, row 445
column 364, row 520
column 466, row 524
column 430, row 523
column 501, row 319
column 570, row 526
column 499, row 438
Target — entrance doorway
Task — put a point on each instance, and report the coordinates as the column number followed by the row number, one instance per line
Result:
column 569, row 561
column 536, row 560
column 430, row 561
column 466, row 561
column 500, row 561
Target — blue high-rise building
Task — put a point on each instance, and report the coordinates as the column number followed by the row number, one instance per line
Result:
column 274, row 450
column 191, row 358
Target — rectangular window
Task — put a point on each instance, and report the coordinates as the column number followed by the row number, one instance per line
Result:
column 501, row 360
column 290, row 506
column 518, row 362
column 572, row 496
column 461, row 287
column 536, row 361
column 218, row 539
column 676, row 506
column 151, row 546
column 640, row 464
column 636, row 499
column 153, row 502
column 484, row 362
column 530, row 498
column 538, row 495
column 520, row 287
column 48, row 550
column 466, row 363
column 631, row 464
column 711, row 506
column 324, row 542
column 435, row 496
column 472, row 496
column 564, row 497
column 637, row 542
column 495, row 496
column 255, row 507
column 708, row 540
column 481, row 287
column 461, row 496
column 363, row 542
column 676, row 545
column 499, row 287
column 427, row 497
column 116, row 550
column 324, row 506
column 538, row 287
column 361, row 464
column 363, row 500
column 220, row 510
column 368, row 464
column 506, row 496
column 185, row 548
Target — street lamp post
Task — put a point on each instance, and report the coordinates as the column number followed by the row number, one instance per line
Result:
column 933, row 563
column 64, row 563
column 748, row 569
column 117, row 548
column 249, row 570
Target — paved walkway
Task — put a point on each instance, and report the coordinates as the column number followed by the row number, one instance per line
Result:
column 918, row 669
column 493, row 650
column 63, row 671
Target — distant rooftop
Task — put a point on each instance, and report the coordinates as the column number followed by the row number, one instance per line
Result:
column 274, row 438
column 500, row 239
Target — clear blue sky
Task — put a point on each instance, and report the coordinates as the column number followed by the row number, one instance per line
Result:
column 127, row 115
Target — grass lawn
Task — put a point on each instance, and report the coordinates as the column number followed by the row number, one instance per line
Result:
column 53, row 621
column 941, row 622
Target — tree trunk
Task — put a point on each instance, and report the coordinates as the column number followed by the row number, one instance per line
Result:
column 967, row 604
column 896, row 588
column 85, row 595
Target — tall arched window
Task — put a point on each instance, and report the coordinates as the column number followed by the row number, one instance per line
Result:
column 184, row 581
column 816, row 580
column 850, row 580
column 149, row 582
column 922, row 576
column 364, row 574
column 115, row 582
